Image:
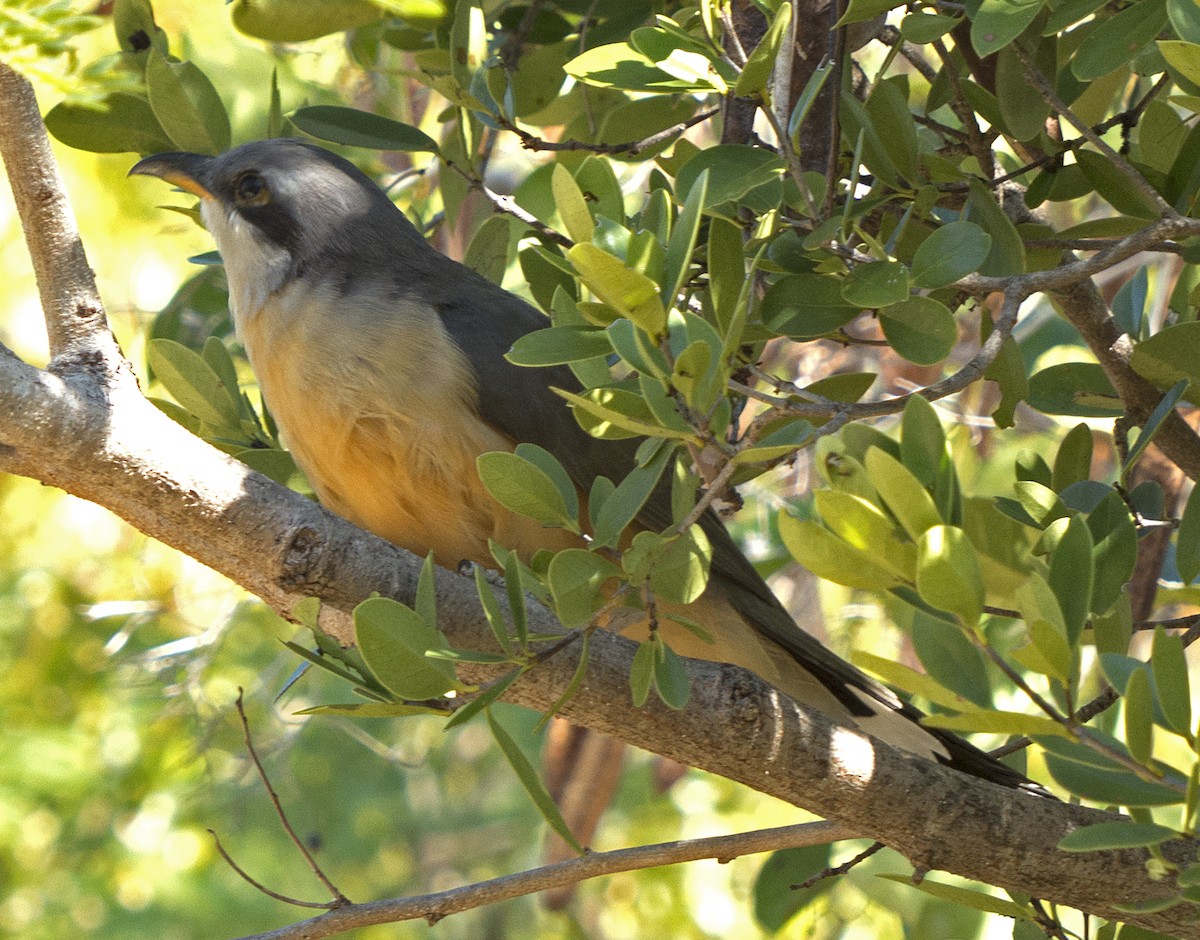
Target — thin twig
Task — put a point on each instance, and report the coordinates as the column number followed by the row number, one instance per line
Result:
column 631, row 147
column 840, row 869
column 259, row 886
column 508, row 206
column 433, row 907
column 1035, row 77
column 340, row 900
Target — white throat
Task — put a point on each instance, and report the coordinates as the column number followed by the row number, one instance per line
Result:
column 254, row 266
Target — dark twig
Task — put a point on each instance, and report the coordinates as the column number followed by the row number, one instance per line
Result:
column 1039, row 81
column 259, row 886
column 510, row 49
column 508, row 206
column 339, row 899
column 840, row 869
column 631, row 147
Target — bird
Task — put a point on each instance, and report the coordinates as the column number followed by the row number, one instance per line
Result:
column 383, row 363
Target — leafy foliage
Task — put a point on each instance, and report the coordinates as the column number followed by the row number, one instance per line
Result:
column 881, row 314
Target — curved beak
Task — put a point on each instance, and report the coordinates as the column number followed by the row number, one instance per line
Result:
column 188, row 171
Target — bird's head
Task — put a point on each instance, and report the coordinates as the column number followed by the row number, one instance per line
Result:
column 284, row 209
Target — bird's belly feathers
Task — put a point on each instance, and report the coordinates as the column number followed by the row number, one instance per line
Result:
column 379, row 412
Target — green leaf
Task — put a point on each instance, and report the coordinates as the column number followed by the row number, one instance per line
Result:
column 829, row 557
column 637, row 349
column 693, row 375
column 1007, row 254
column 1073, row 462
column 805, row 306
column 484, row 700
column 1118, row 40
column 549, row 465
column 1113, row 186
column 514, row 587
column 757, row 71
column 1171, row 685
column 1185, row 19
column 1071, row 575
column 1041, row 502
column 532, row 782
column 785, row 439
column 997, row 722
column 948, row 573
column 902, row 492
column 577, row 579
column 301, row 20
column 671, row 680
column 491, row 610
column 908, row 679
column 617, row 413
column 1154, row 421
column 733, row 171
column 864, row 527
column 1021, row 105
column 966, row 897
column 1008, row 371
column 118, row 123
column 372, row 710
column 1139, row 716
column 920, row 329
column 877, row 284
column 922, row 440
column 426, row 599
column 488, row 252
column 921, row 28
column 892, row 120
column 393, row 640
column 1114, row 536
column 951, row 252
column 356, row 128
column 186, row 105
column 523, row 487
column 619, row 65
column 1182, row 57
column 626, row 501
column 859, row 11
column 572, row 207
column 557, row 345
column 680, row 573
column 1076, row 388
column 1106, row 783
column 1187, row 546
column 775, row 902
column 999, row 22
column 677, row 264
column 195, row 385
column 573, row 686
column 631, row 294
column 1168, row 356
column 641, row 674
column 1099, row 837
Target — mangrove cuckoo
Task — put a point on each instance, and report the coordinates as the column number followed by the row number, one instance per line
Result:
column 383, row 363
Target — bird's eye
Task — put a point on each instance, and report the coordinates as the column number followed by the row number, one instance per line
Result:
column 251, row 190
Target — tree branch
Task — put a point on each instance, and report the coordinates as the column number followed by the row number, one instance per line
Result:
column 75, row 318
column 433, row 907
